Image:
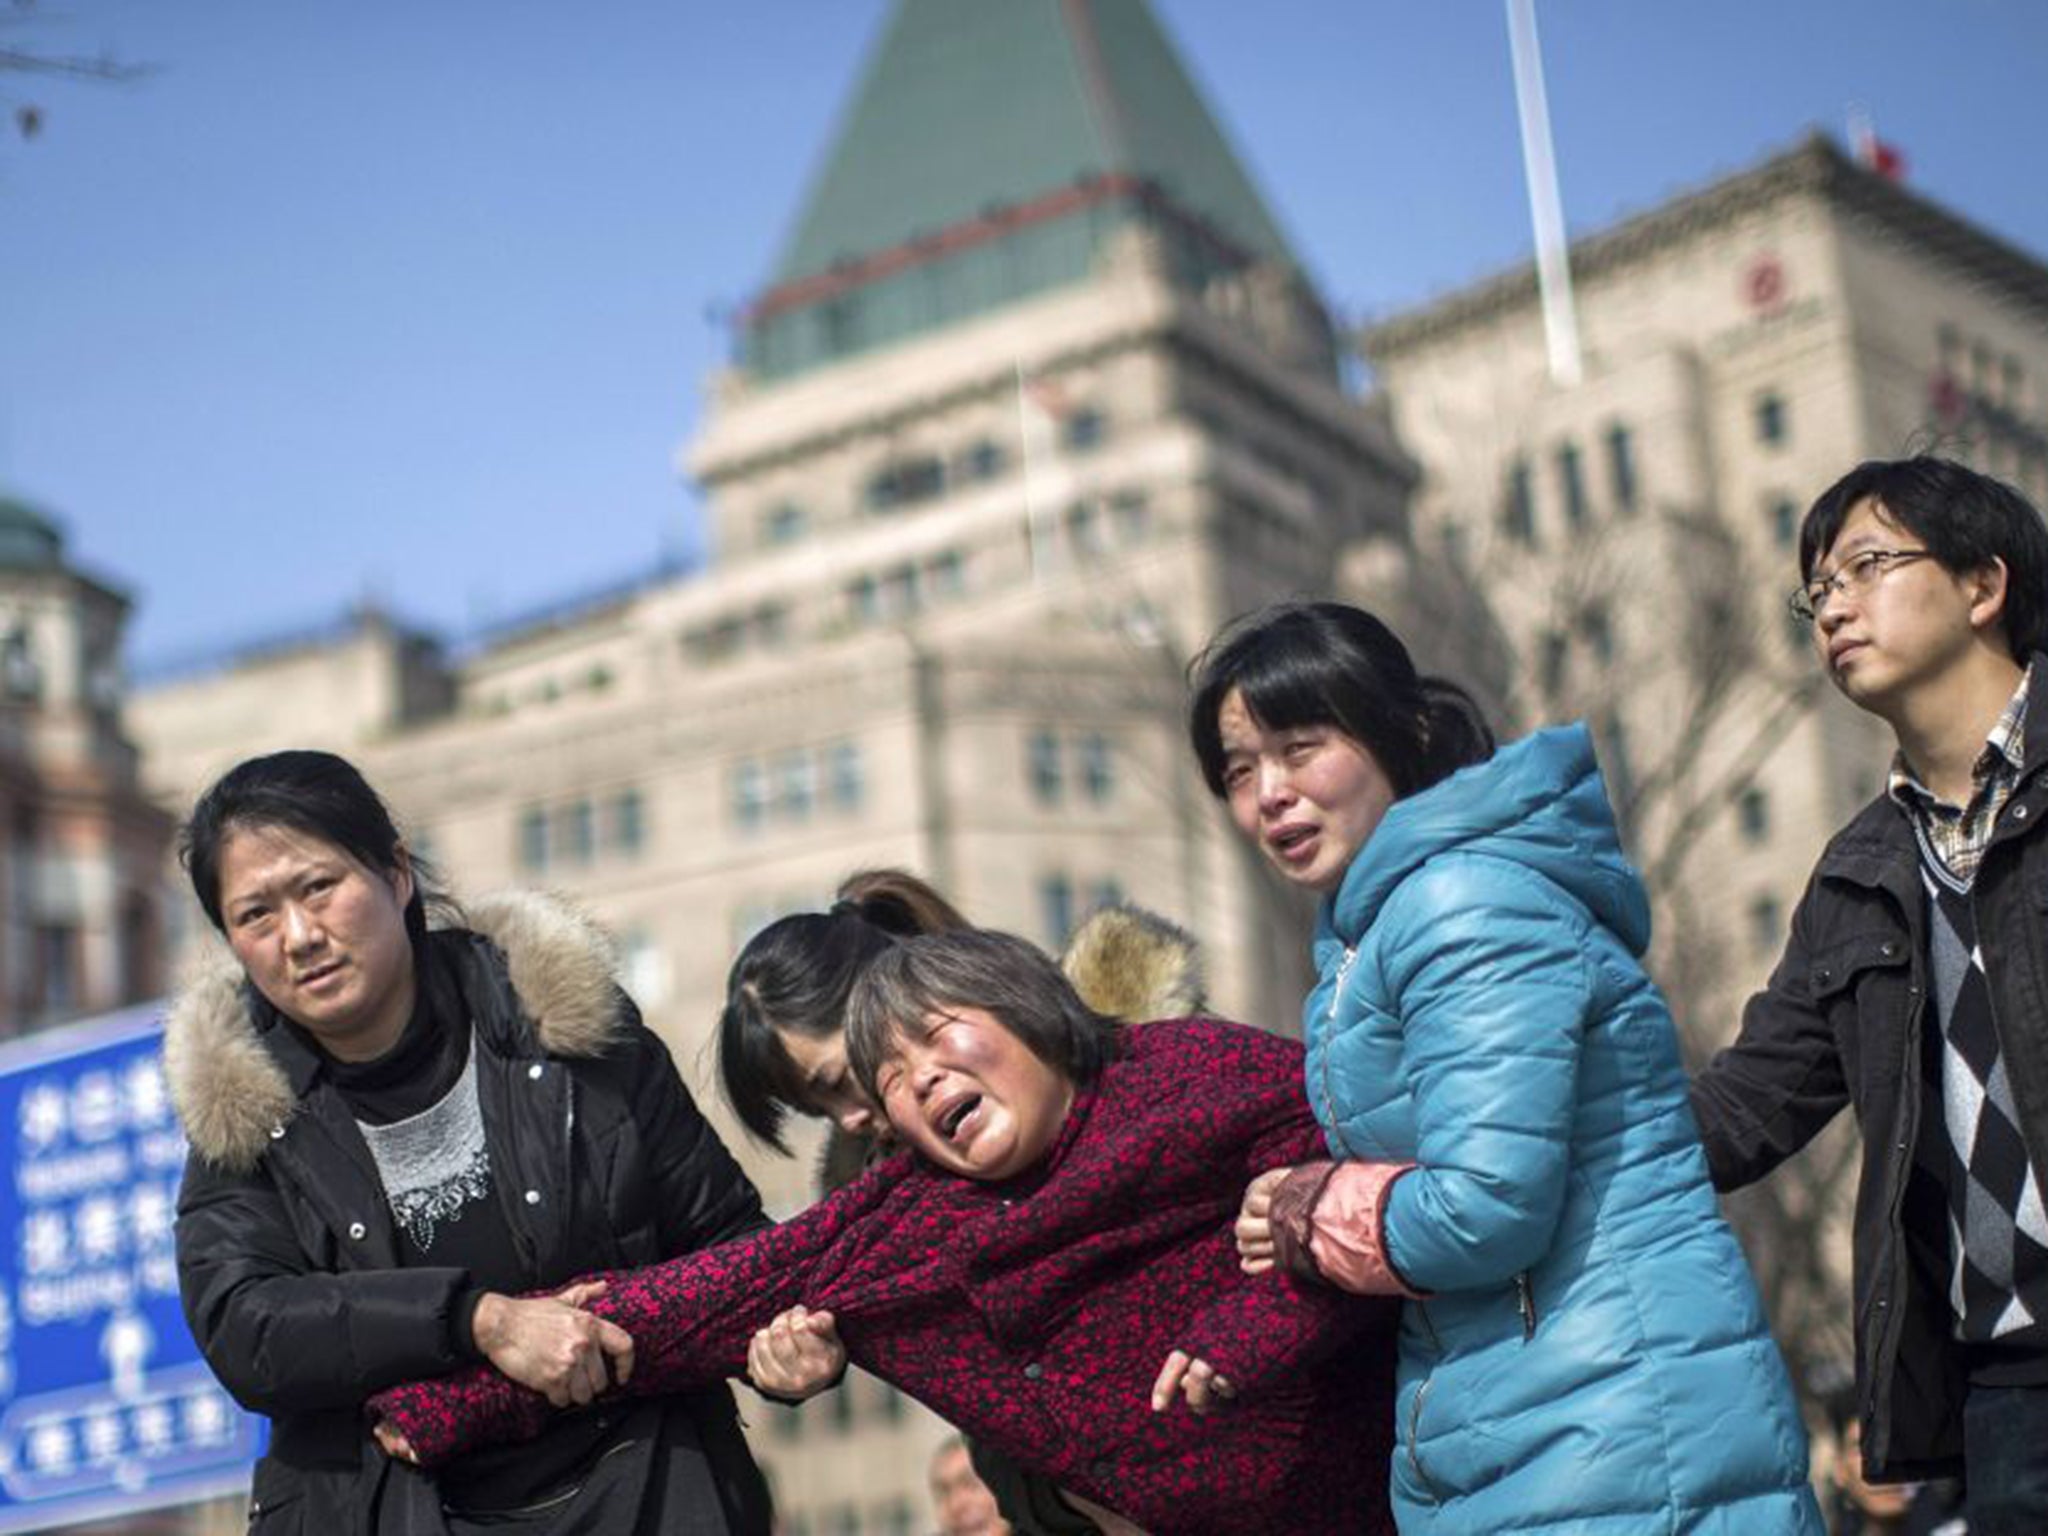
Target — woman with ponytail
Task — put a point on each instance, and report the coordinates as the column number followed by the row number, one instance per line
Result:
column 782, row 1036
column 1498, row 1081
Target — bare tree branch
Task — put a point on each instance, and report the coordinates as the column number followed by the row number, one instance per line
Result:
column 75, row 66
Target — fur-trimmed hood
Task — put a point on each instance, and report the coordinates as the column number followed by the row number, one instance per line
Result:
column 1135, row 965
column 230, row 1089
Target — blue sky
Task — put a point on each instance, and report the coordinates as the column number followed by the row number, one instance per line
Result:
column 416, row 301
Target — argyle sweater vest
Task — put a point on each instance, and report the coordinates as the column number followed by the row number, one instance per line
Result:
column 1998, row 1231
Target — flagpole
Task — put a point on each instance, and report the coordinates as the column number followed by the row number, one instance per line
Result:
column 1035, row 534
column 1546, row 208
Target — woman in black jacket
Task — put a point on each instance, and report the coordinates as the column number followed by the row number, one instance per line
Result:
column 398, row 1134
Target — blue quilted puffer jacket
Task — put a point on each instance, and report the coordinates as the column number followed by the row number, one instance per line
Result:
column 1592, row 1356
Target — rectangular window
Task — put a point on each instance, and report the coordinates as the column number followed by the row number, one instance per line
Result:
column 984, row 461
column 1104, row 893
column 1518, row 508
column 784, row 524
column 796, row 785
column 59, row 945
column 1084, row 430
column 576, row 832
column 1043, row 755
column 533, row 839
column 1598, row 630
column 1771, row 426
column 714, row 642
column 905, row 483
column 1571, row 485
column 749, row 795
column 628, row 821
column 843, row 775
column 1056, row 910
column 1621, row 467
column 1098, row 769
column 1753, row 815
column 1785, row 522
column 1555, row 657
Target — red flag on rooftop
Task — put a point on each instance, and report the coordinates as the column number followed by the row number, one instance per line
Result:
column 1884, row 158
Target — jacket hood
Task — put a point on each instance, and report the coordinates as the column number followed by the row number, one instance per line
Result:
column 1126, row 962
column 1539, row 802
column 1135, row 965
column 230, row 1090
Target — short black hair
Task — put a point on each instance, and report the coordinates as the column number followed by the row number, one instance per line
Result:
column 1012, row 980
column 314, row 793
column 1305, row 664
column 1965, row 518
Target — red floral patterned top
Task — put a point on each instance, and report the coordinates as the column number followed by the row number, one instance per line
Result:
column 1035, row 1313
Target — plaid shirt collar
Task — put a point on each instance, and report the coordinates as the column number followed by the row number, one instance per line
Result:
column 1959, row 834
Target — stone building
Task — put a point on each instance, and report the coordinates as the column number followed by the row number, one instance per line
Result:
column 1620, row 548
column 83, row 846
column 1036, row 396
column 1632, row 537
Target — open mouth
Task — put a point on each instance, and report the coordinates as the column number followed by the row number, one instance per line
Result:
column 1290, row 839
column 956, row 1115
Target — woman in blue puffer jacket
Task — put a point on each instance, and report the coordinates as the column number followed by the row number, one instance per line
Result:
column 1584, row 1350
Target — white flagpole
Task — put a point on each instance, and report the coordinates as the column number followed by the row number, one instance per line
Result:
column 1546, row 209
column 1037, row 536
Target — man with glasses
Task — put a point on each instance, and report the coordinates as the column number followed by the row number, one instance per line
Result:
column 1914, row 984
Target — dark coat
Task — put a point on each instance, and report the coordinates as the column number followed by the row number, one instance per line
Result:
column 1035, row 1313
column 288, row 1255
column 1842, row 1021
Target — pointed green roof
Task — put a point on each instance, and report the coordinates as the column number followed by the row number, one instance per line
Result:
column 990, row 148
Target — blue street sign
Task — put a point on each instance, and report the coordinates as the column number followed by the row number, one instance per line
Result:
column 108, row 1407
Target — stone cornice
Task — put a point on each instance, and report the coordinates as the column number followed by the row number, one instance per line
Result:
column 1816, row 167
column 1176, row 323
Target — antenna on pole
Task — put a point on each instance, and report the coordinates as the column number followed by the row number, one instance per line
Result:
column 1546, row 209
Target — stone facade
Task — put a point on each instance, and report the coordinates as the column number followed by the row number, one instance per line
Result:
column 81, row 846
column 959, row 581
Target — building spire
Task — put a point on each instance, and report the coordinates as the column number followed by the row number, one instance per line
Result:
column 992, row 149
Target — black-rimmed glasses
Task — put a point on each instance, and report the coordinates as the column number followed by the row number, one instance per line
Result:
column 1858, row 574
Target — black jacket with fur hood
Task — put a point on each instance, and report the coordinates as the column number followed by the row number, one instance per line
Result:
column 288, row 1255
